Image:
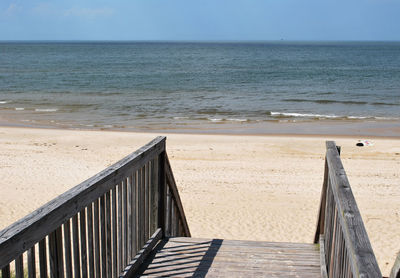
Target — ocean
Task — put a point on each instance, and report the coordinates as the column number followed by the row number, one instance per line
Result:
column 254, row 87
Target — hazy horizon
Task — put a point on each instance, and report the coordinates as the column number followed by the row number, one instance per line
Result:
column 201, row 41
column 208, row 20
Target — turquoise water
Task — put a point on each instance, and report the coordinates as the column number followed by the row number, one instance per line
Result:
column 160, row 85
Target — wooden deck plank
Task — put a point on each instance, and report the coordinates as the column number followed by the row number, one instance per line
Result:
column 190, row 240
column 234, row 272
column 245, row 253
column 310, row 249
column 264, row 265
column 237, row 257
column 191, row 257
column 251, row 249
column 242, row 250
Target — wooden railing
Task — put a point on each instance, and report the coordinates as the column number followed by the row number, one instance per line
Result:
column 395, row 272
column 104, row 227
column 345, row 247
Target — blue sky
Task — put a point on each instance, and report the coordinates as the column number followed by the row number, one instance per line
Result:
column 200, row 20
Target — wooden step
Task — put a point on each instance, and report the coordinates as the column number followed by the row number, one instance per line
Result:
column 192, row 257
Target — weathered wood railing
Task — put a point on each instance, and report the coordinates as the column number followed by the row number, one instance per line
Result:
column 345, row 247
column 104, row 227
column 395, row 272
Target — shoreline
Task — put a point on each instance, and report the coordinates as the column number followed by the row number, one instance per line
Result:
column 391, row 129
column 231, row 186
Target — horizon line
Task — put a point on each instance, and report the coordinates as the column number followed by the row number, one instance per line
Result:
column 189, row 41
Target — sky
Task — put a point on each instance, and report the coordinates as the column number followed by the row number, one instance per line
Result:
column 209, row 20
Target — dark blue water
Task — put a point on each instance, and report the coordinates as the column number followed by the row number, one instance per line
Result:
column 162, row 85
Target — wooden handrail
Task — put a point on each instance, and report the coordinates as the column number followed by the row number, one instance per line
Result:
column 395, row 272
column 347, row 249
column 175, row 195
column 101, row 225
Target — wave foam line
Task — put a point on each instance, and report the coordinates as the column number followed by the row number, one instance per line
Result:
column 306, row 115
column 237, row 120
column 310, row 115
column 180, row 118
column 227, row 120
column 46, row 110
column 215, row 119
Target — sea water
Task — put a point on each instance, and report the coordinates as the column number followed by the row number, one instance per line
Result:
column 178, row 85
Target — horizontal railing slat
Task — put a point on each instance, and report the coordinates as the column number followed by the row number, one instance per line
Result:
column 24, row 233
column 358, row 246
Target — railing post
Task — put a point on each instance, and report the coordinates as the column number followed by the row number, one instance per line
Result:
column 161, row 192
column 56, row 254
column 5, row 272
column 321, row 215
column 154, row 196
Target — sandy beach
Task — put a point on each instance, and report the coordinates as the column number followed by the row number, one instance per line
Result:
column 232, row 186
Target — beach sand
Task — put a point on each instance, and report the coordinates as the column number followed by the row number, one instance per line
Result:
column 232, row 187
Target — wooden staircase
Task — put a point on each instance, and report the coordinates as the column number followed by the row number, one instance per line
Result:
column 192, row 257
column 128, row 221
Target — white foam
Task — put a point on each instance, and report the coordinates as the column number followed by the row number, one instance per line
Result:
column 46, row 110
column 215, row 119
column 387, row 118
column 310, row 115
column 19, row 108
column 180, row 118
column 3, row 102
column 305, row 115
column 237, row 120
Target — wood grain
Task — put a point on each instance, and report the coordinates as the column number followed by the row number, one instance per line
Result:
column 363, row 262
column 5, row 272
column 90, row 241
column 75, row 244
column 67, row 249
column 114, row 232
column 31, row 263
column 26, row 232
column 42, row 258
column 135, row 264
column 175, row 195
column 19, row 267
column 82, row 221
column 395, row 271
column 187, row 257
column 96, row 232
